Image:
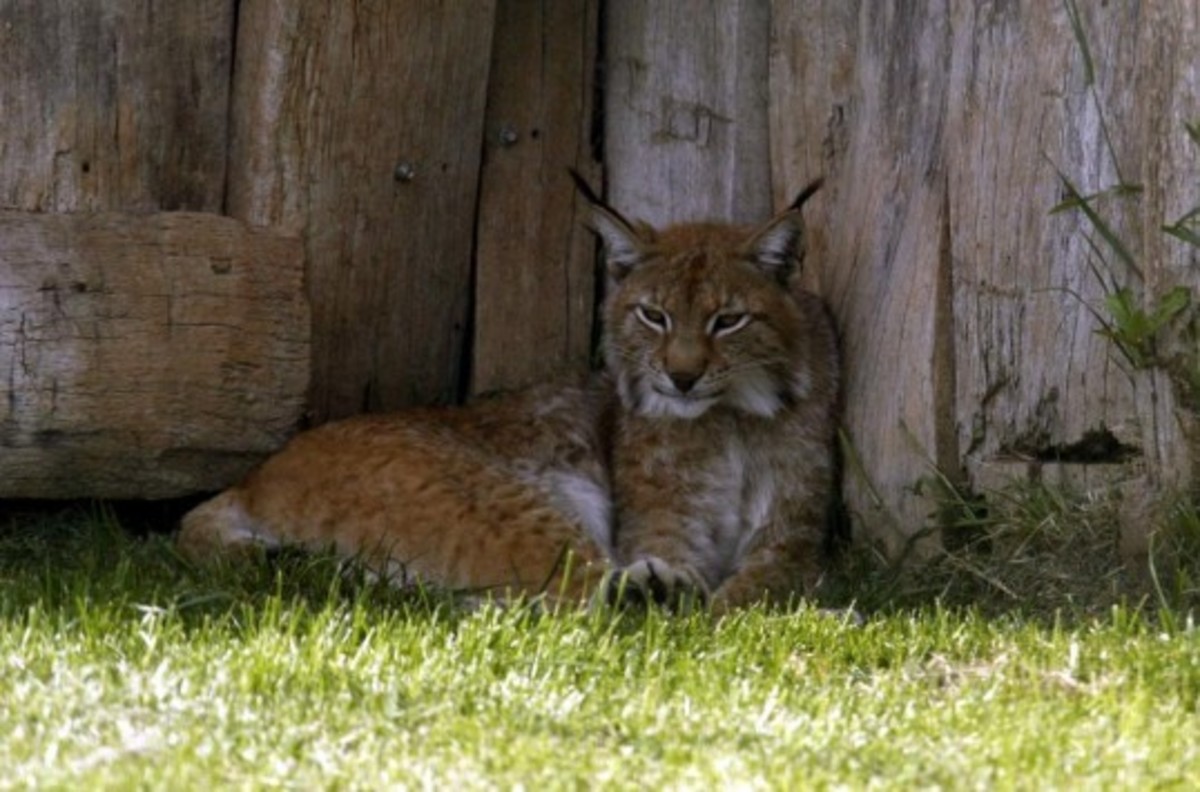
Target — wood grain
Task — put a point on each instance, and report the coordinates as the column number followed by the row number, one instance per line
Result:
column 111, row 106
column 685, row 115
column 145, row 356
column 967, row 310
column 1035, row 375
column 331, row 102
column 535, row 262
column 856, row 87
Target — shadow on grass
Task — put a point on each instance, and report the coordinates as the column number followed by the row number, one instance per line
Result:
column 1036, row 553
column 1044, row 558
column 69, row 559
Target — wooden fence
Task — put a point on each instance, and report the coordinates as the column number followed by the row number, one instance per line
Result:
column 170, row 171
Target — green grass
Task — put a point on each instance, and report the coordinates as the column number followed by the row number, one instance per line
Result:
column 122, row 667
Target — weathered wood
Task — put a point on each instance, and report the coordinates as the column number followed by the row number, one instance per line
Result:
column 812, row 79
column 854, row 88
column 685, row 116
column 535, row 262
column 1035, row 378
column 117, row 105
column 145, row 356
column 967, row 311
column 359, row 125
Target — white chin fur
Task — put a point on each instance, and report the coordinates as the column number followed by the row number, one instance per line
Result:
column 755, row 392
column 655, row 405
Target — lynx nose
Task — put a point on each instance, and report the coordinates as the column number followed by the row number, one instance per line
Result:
column 683, row 380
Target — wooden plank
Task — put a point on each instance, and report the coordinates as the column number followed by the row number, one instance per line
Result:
column 359, row 124
column 145, row 356
column 535, row 262
column 813, row 72
column 852, row 95
column 1035, row 375
column 116, row 105
column 685, row 114
column 967, row 311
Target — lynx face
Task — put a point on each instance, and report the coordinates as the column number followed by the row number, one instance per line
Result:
column 701, row 315
column 699, row 323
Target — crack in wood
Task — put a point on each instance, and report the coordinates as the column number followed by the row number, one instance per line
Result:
column 1096, row 447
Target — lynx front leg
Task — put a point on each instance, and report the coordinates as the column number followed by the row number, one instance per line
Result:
column 774, row 572
column 677, row 498
column 660, row 564
column 651, row 579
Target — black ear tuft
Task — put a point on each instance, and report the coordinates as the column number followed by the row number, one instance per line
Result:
column 584, row 188
column 778, row 246
column 804, row 195
column 624, row 247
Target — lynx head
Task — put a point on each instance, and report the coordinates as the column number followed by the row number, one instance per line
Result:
column 701, row 315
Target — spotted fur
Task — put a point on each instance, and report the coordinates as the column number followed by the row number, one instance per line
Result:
column 698, row 466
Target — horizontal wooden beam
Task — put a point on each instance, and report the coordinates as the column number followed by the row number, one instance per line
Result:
column 145, row 356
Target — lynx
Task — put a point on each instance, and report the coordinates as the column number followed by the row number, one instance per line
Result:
column 697, row 467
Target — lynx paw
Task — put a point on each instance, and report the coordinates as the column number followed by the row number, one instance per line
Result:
column 652, row 580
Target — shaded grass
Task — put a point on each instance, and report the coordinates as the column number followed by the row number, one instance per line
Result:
column 123, row 667
column 1037, row 552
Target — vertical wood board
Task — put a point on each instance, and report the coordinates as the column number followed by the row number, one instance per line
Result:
column 1033, row 373
column 1038, row 380
column 117, row 105
column 685, row 117
column 359, row 125
column 877, row 248
column 968, row 312
column 535, row 262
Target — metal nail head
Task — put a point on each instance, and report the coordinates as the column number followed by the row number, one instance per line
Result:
column 508, row 135
column 405, row 172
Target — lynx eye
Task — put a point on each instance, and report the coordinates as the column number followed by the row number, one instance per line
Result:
column 725, row 323
column 652, row 317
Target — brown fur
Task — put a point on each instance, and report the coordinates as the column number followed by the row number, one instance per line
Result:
column 484, row 498
column 702, row 467
column 727, row 500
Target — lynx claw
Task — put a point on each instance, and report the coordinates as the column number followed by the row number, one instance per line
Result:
column 652, row 580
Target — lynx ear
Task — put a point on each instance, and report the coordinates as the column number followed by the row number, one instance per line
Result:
column 777, row 247
column 625, row 246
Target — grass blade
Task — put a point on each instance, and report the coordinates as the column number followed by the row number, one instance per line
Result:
column 1116, row 191
column 1184, row 228
column 1193, row 131
column 1089, row 72
column 1102, row 228
column 1184, row 234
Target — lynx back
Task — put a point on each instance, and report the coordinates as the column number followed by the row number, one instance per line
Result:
column 509, row 496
